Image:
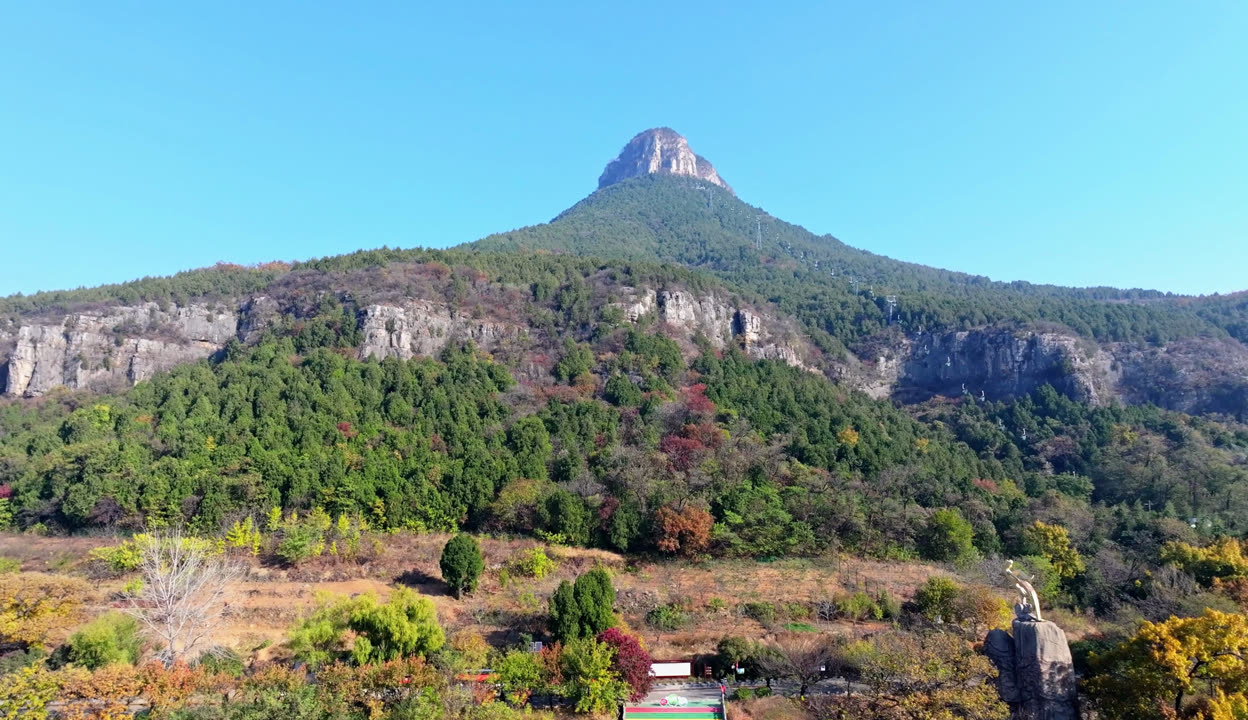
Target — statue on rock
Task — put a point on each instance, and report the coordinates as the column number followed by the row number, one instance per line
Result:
column 1036, row 674
column 1028, row 605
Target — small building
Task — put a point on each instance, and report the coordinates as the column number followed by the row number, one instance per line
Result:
column 671, row 669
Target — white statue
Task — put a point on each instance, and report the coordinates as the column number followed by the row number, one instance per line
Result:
column 1028, row 605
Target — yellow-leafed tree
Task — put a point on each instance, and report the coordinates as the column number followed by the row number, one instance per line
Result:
column 34, row 606
column 1199, row 662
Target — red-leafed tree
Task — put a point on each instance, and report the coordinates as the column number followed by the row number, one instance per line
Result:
column 631, row 662
column 683, row 454
column 696, row 401
column 706, row 433
column 685, row 531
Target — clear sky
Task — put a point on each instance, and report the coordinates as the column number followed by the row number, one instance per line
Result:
column 1080, row 143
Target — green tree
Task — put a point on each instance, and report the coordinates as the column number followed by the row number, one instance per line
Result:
column 947, row 537
column 1052, row 542
column 519, row 675
column 595, row 598
column 589, row 680
column 462, row 563
column 530, row 444
column 565, row 613
column 564, row 514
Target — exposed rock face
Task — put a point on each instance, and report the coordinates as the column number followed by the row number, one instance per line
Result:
column 722, row 322
column 99, row 350
column 421, row 327
column 1000, row 364
column 1194, row 375
column 1036, row 672
column 691, row 315
column 659, row 150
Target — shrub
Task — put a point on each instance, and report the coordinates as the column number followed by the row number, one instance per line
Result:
column 109, row 639
column 890, row 606
column 857, row 607
column 9, row 565
column 531, row 563
column 763, row 612
column 462, row 563
column 941, row 600
column 743, row 693
column 118, row 558
column 934, row 599
column 667, row 617
column 797, row 611
column 222, row 661
column 300, row 542
column 406, row 624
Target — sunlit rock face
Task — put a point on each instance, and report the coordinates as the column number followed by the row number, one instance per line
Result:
column 659, row 151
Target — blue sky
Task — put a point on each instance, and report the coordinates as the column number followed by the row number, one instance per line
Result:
column 1067, row 142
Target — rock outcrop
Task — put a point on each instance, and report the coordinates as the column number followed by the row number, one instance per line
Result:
column 659, row 151
column 1193, row 375
column 122, row 345
column 721, row 321
column 424, row 328
column 1036, row 674
column 1001, row 364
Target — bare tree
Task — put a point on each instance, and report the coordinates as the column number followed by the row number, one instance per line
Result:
column 185, row 588
column 800, row 657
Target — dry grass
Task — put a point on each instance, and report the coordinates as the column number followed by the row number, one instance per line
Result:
column 272, row 598
column 772, row 707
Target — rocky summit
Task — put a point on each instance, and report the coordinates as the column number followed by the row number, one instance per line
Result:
column 659, row 151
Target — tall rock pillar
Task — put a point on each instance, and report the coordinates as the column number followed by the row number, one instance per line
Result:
column 1036, row 672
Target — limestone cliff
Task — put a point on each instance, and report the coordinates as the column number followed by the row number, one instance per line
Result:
column 1002, row 364
column 659, row 151
column 121, row 345
column 124, row 345
column 1195, row 375
column 421, row 327
column 760, row 334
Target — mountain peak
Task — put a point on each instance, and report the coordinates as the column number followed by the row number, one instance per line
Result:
column 659, row 151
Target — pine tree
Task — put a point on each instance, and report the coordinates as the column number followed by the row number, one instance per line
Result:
column 462, row 563
column 565, row 613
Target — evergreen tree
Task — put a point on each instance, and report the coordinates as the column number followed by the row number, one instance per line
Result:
column 565, row 613
column 595, row 598
column 462, row 563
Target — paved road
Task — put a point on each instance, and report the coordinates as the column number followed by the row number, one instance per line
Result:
column 697, row 693
column 709, row 692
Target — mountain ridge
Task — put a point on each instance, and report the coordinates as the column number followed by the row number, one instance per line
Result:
column 874, row 319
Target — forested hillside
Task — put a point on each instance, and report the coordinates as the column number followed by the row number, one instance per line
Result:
column 834, row 287
column 618, row 436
